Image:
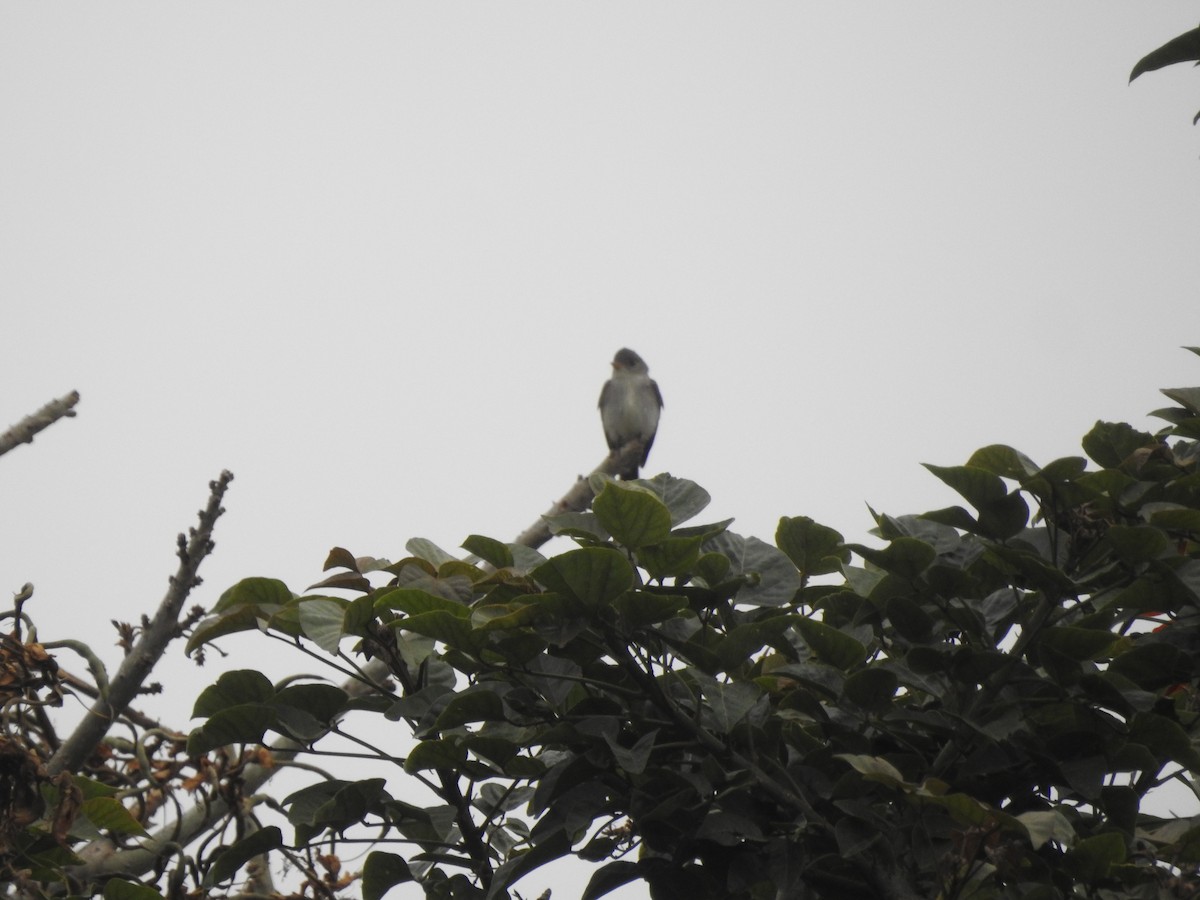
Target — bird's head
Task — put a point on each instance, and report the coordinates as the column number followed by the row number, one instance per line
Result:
column 628, row 361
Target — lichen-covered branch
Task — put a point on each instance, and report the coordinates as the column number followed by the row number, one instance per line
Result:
column 579, row 497
column 23, row 431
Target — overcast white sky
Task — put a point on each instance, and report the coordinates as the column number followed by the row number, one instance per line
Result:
column 374, row 258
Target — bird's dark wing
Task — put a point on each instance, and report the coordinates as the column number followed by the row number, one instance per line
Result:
column 657, row 393
column 611, row 439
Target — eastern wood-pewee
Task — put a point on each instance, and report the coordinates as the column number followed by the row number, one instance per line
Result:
column 629, row 407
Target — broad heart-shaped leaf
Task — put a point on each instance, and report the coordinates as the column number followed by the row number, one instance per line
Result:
column 1184, row 48
column 874, row 768
column 1001, row 514
column 415, row 601
column 1002, row 460
column 478, row 703
column 1093, row 858
column 609, row 877
column 242, row 724
column 519, row 864
column 441, row 625
column 383, row 871
column 979, row 487
column 265, row 593
column 814, row 549
column 423, row 548
column 1172, row 517
column 322, row 700
column 322, row 620
column 1111, row 443
column 743, row 641
column 110, row 814
column 770, row 578
column 584, row 527
column 440, row 754
column 730, row 703
column 334, row 804
column 592, row 576
column 632, row 515
column 905, row 556
column 673, row 557
column 632, row 759
column 872, row 688
column 233, row 688
column 639, row 608
column 1047, row 825
column 1078, row 644
column 229, row 860
column 1187, row 397
column 1137, row 543
column 489, row 550
column 1165, row 738
column 830, row 645
column 241, row 618
column 682, row 497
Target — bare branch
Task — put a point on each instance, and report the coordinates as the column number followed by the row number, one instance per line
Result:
column 155, row 637
column 23, row 431
column 579, row 497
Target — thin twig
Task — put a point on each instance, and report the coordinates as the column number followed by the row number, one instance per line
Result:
column 152, row 643
column 23, row 431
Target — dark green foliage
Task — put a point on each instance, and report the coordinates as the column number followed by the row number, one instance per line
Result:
column 976, row 704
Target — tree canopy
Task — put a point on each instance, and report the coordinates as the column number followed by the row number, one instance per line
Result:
column 977, row 703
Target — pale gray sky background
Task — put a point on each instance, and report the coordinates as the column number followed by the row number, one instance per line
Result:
column 374, row 258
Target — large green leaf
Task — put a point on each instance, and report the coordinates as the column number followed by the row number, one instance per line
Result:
column 682, row 497
column 241, row 618
column 451, row 629
column 476, row 704
column 1184, row 48
column 905, row 556
column 1092, row 859
column 242, row 724
column 814, row 549
column 322, row 702
column 231, row 689
column 322, row 621
column 110, row 814
column 415, row 601
column 1111, row 443
column 267, row 594
column 1002, row 460
column 977, row 486
column 490, row 550
column 436, row 754
column 768, row 577
column 1078, row 644
column 592, row 576
column 641, row 608
column 381, row 872
column 831, row 645
column 609, row 877
column 228, row 861
column 632, row 515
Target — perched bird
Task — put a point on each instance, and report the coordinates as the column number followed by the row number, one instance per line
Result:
column 629, row 407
